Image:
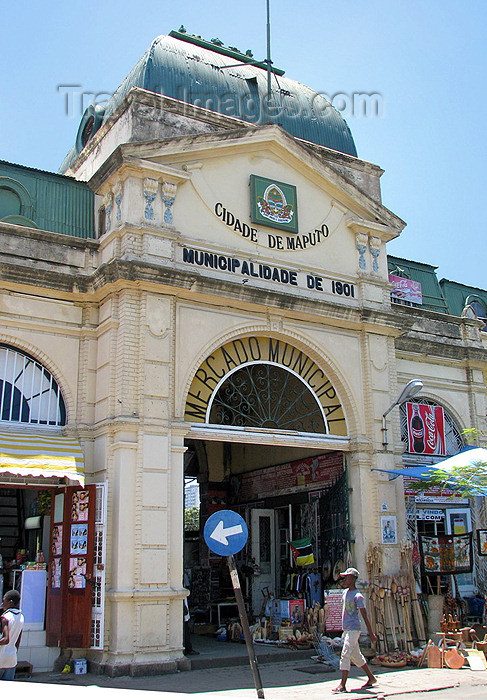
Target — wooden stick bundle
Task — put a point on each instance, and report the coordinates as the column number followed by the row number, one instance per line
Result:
column 407, row 561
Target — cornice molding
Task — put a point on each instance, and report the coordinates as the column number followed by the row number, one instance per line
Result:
column 120, row 167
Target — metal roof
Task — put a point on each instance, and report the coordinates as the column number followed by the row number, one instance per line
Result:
column 198, row 72
column 52, row 202
column 425, row 274
column 456, row 295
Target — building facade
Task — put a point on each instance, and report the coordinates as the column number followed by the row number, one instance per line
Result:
column 222, row 311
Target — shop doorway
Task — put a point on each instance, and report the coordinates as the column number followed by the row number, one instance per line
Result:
column 284, row 494
column 459, row 522
column 263, row 553
column 70, row 581
column 444, row 521
column 61, row 578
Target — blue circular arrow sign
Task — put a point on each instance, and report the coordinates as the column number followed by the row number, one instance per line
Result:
column 225, row 532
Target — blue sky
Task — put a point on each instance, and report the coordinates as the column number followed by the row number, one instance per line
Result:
column 427, row 61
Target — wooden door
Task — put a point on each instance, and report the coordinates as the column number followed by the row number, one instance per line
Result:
column 71, row 568
column 264, row 554
column 55, row 563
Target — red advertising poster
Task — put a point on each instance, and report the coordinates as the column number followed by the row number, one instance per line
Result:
column 303, row 474
column 333, row 610
column 426, row 429
column 406, row 290
column 296, row 611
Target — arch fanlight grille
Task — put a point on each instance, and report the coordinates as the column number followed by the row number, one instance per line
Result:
column 453, row 438
column 28, row 391
column 263, row 395
column 479, row 308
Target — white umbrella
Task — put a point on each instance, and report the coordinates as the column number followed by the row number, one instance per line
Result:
column 470, row 457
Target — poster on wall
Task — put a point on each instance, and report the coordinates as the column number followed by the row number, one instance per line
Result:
column 77, row 572
column 388, row 529
column 57, row 540
column 447, row 554
column 426, row 429
column 79, row 510
column 296, row 611
column 303, row 474
column 406, row 290
column 79, row 539
column 333, row 610
column 482, row 543
column 56, row 573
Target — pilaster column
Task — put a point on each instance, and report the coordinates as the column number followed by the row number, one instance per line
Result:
column 123, row 545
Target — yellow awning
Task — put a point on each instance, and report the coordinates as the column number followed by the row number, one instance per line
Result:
column 25, row 454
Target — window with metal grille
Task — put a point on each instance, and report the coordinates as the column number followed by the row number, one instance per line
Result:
column 263, row 395
column 28, row 391
column 478, row 307
column 98, row 588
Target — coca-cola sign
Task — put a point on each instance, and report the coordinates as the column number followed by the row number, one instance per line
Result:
column 426, row 429
column 406, row 290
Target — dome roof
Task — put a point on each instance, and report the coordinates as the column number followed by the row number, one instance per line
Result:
column 223, row 80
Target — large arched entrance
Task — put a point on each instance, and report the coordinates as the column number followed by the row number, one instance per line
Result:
column 256, row 379
column 268, row 439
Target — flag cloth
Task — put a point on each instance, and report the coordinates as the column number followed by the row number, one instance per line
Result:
column 302, row 552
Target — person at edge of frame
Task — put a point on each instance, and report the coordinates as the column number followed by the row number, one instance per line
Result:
column 188, row 646
column 12, row 622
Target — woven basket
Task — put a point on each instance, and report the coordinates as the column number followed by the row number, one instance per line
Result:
column 394, row 664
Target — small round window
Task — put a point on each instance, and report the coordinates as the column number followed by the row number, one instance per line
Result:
column 91, row 121
column 87, row 131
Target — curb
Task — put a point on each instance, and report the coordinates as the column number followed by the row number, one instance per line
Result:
column 243, row 660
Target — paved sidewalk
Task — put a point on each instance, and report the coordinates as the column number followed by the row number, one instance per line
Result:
column 290, row 680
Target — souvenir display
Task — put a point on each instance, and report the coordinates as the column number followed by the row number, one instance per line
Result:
column 447, row 554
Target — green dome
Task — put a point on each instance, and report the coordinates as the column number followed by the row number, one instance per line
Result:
column 223, row 80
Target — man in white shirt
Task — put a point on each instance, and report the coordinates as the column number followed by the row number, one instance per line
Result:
column 12, row 622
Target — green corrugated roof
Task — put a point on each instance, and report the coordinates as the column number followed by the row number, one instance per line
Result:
column 53, row 202
column 433, row 298
column 456, row 295
column 198, row 72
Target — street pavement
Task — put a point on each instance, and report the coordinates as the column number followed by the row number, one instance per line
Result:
column 293, row 679
column 476, row 693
